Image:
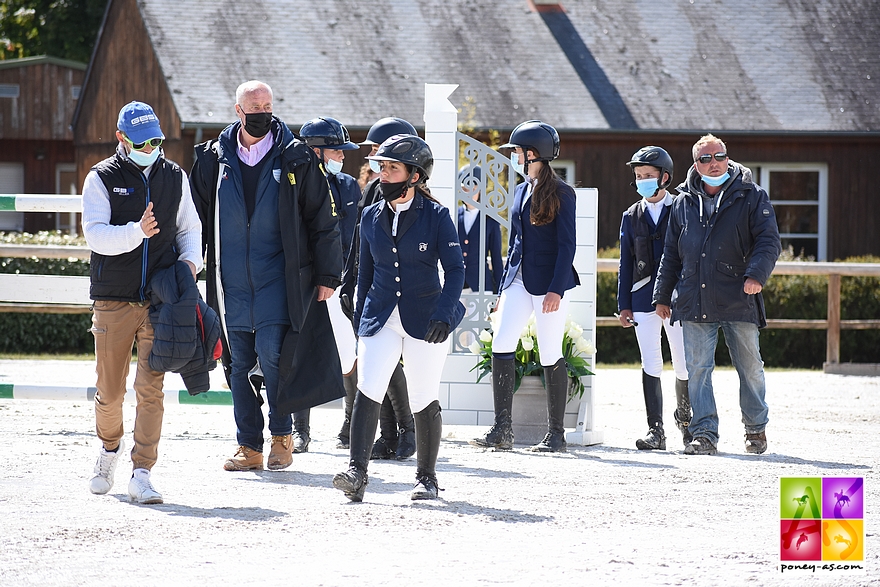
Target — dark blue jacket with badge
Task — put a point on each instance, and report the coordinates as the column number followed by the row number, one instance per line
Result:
column 470, row 247
column 708, row 254
column 546, row 252
column 403, row 271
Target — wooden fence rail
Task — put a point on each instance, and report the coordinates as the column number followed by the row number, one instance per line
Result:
column 15, row 296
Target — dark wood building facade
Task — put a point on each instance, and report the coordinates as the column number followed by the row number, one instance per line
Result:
column 38, row 96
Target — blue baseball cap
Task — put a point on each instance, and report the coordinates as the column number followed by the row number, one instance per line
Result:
column 139, row 123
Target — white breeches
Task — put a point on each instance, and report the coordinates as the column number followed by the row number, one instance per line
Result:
column 648, row 335
column 422, row 364
column 346, row 343
column 516, row 306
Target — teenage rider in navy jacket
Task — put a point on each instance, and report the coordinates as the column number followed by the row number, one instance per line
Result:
column 328, row 138
column 538, row 273
column 642, row 233
column 469, row 230
column 402, row 308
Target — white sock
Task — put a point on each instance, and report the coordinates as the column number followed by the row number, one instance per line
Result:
column 143, row 474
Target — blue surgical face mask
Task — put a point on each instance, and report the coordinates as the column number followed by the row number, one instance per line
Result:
column 142, row 159
column 517, row 165
column 716, row 181
column 374, row 166
column 333, row 166
column 647, row 188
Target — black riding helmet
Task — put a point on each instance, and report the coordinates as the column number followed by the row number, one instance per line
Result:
column 326, row 133
column 409, row 150
column 386, row 128
column 536, row 136
column 655, row 157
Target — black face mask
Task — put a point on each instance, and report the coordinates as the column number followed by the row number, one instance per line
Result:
column 258, row 124
column 392, row 191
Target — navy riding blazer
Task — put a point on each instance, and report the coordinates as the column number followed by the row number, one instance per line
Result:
column 470, row 247
column 545, row 253
column 403, row 272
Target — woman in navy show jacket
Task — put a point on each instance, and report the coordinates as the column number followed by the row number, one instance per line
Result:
column 538, row 273
column 469, row 236
column 401, row 308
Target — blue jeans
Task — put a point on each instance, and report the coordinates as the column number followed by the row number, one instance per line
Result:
column 245, row 347
column 700, row 340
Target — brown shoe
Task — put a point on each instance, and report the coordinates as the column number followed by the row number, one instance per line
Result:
column 756, row 442
column 245, row 459
column 280, row 455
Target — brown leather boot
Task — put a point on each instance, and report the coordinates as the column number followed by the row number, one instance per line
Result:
column 280, row 455
column 245, row 459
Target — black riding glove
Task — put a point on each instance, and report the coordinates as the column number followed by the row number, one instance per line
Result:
column 437, row 332
column 347, row 306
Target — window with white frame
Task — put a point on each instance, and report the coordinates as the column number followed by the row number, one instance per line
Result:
column 799, row 194
column 565, row 169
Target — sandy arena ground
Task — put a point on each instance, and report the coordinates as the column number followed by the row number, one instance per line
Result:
column 601, row 515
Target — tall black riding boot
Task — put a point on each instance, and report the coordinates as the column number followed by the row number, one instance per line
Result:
column 301, row 431
column 500, row 435
column 682, row 412
column 399, row 396
column 386, row 444
column 655, row 439
column 364, row 419
column 556, row 380
column 429, row 429
column 350, row 384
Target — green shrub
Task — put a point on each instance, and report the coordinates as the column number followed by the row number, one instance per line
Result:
column 44, row 333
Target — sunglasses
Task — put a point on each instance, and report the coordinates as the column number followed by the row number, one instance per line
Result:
column 706, row 158
column 140, row 146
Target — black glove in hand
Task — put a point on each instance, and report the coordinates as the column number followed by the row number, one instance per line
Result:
column 437, row 332
column 347, row 307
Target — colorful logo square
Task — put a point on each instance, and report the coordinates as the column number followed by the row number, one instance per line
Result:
column 843, row 540
column 842, row 497
column 821, row 519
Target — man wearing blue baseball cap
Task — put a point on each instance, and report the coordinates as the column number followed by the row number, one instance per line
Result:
column 138, row 218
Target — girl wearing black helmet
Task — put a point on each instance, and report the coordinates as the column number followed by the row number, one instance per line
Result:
column 537, row 275
column 642, row 234
column 402, row 309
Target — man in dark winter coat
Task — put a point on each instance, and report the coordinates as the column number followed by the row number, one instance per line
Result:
column 138, row 218
column 274, row 256
column 721, row 246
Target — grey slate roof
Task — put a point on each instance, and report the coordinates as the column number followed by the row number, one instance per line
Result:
column 765, row 65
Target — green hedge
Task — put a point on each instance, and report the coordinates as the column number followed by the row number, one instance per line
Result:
column 45, row 333
column 786, row 296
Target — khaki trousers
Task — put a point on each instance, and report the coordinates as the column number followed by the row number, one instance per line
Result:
column 116, row 327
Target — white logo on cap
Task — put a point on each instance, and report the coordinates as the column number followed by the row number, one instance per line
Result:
column 142, row 119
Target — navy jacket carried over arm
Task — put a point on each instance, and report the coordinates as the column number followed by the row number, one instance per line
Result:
column 186, row 331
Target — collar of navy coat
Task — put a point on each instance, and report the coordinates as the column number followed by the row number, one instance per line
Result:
column 383, row 209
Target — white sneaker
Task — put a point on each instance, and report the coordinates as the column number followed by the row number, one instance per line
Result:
column 105, row 468
column 141, row 490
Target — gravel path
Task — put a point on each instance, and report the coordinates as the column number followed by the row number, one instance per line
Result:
column 600, row 515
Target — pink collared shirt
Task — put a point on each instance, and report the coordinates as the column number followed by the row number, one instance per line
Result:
column 258, row 150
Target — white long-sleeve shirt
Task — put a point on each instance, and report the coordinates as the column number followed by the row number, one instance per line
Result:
column 111, row 239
